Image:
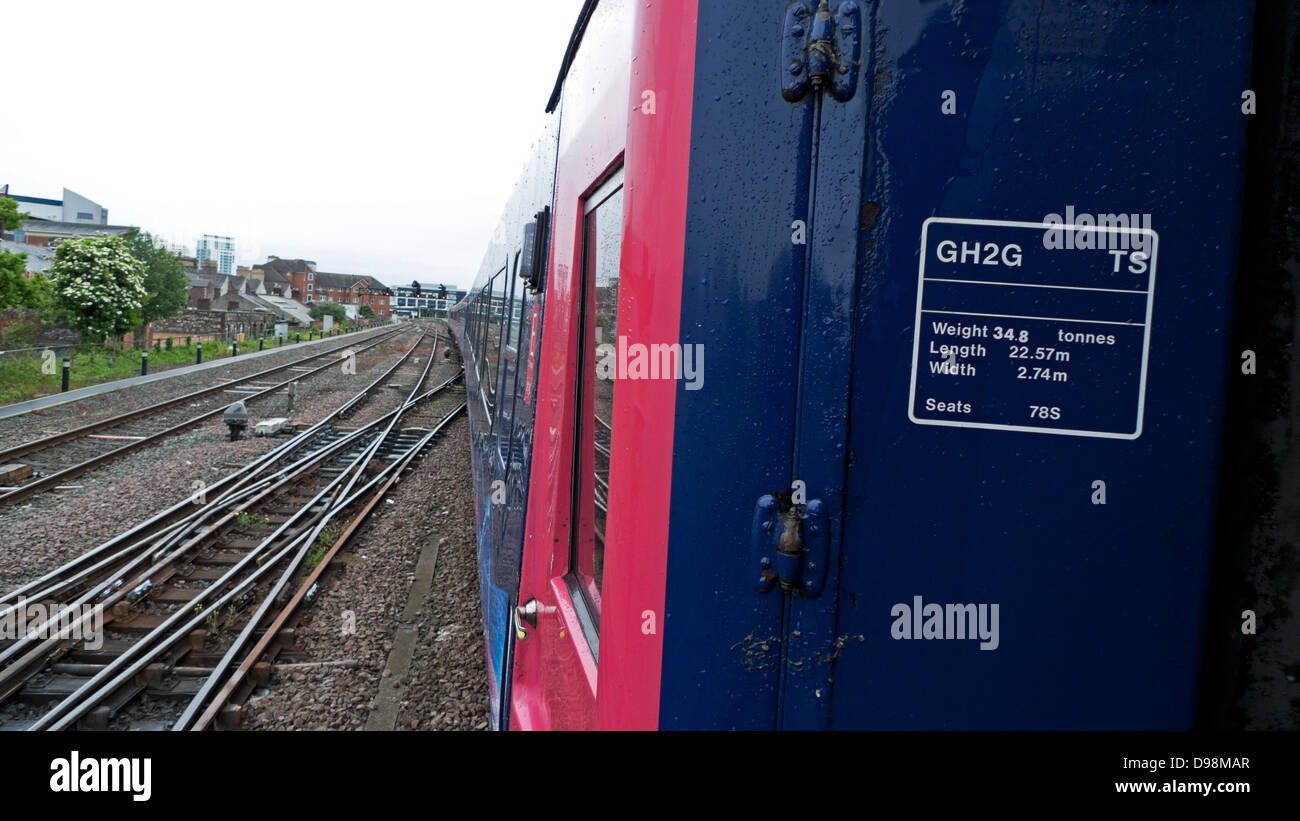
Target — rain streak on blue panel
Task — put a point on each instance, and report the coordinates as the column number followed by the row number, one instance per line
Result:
column 1036, row 327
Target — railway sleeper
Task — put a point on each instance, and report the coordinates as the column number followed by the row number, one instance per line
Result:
column 180, row 595
column 14, row 473
column 139, row 624
column 236, row 544
column 112, row 648
column 52, row 686
column 220, row 557
column 281, row 510
column 203, row 574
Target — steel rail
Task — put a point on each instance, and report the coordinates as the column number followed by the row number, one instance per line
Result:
column 39, row 444
column 112, row 591
column 82, row 700
column 77, row 702
column 149, row 527
column 261, row 612
column 273, row 629
column 54, row 479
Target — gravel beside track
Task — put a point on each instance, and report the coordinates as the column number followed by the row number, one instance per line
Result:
column 447, row 684
column 446, row 687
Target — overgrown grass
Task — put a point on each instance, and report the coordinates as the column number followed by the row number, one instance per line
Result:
column 317, row 553
column 21, row 375
column 247, row 519
column 324, row 542
column 20, row 334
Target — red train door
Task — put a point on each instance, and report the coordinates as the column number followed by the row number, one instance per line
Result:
column 557, row 647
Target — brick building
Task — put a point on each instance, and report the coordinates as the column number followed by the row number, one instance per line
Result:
column 298, row 279
column 350, row 291
column 286, row 277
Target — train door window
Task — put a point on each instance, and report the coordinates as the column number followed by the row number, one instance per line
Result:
column 473, row 312
column 484, row 297
column 602, row 239
column 504, row 367
column 516, row 307
column 510, row 363
column 496, row 295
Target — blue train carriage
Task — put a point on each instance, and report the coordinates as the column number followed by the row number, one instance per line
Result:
column 1012, row 448
column 962, row 279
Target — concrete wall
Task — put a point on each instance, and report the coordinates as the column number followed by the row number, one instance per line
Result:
column 40, row 211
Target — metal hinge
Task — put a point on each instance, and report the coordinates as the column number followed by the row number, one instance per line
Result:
column 791, row 545
column 821, row 50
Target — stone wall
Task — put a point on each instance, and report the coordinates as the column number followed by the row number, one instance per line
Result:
column 42, row 335
column 214, row 324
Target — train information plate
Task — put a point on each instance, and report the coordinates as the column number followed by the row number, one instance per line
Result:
column 1036, row 327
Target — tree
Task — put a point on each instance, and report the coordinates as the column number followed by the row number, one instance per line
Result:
column 16, row 289
column 165, row 282
column 367, row 312
column 40, row 296
column 13, row 283
column 100, row 284
column 334, row 309
column 10, row 218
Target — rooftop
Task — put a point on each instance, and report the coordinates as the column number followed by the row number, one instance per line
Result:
column 291, row 307
column 34, row 200
column 343, row 282
column 286, row 266
column 40, row 227
column 39, row 257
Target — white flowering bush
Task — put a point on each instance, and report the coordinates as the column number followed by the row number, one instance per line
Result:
column 100, row 284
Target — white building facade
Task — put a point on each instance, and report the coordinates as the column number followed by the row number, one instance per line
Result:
column 218, row 248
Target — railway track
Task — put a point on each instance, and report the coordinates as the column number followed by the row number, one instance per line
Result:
column 170, row 516
column 198, row 604
column 57, row 458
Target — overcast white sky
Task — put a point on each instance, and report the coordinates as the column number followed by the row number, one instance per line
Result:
column 378, row 137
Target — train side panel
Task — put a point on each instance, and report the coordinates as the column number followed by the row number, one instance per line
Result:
column 1000, row 543
column 498, row 329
